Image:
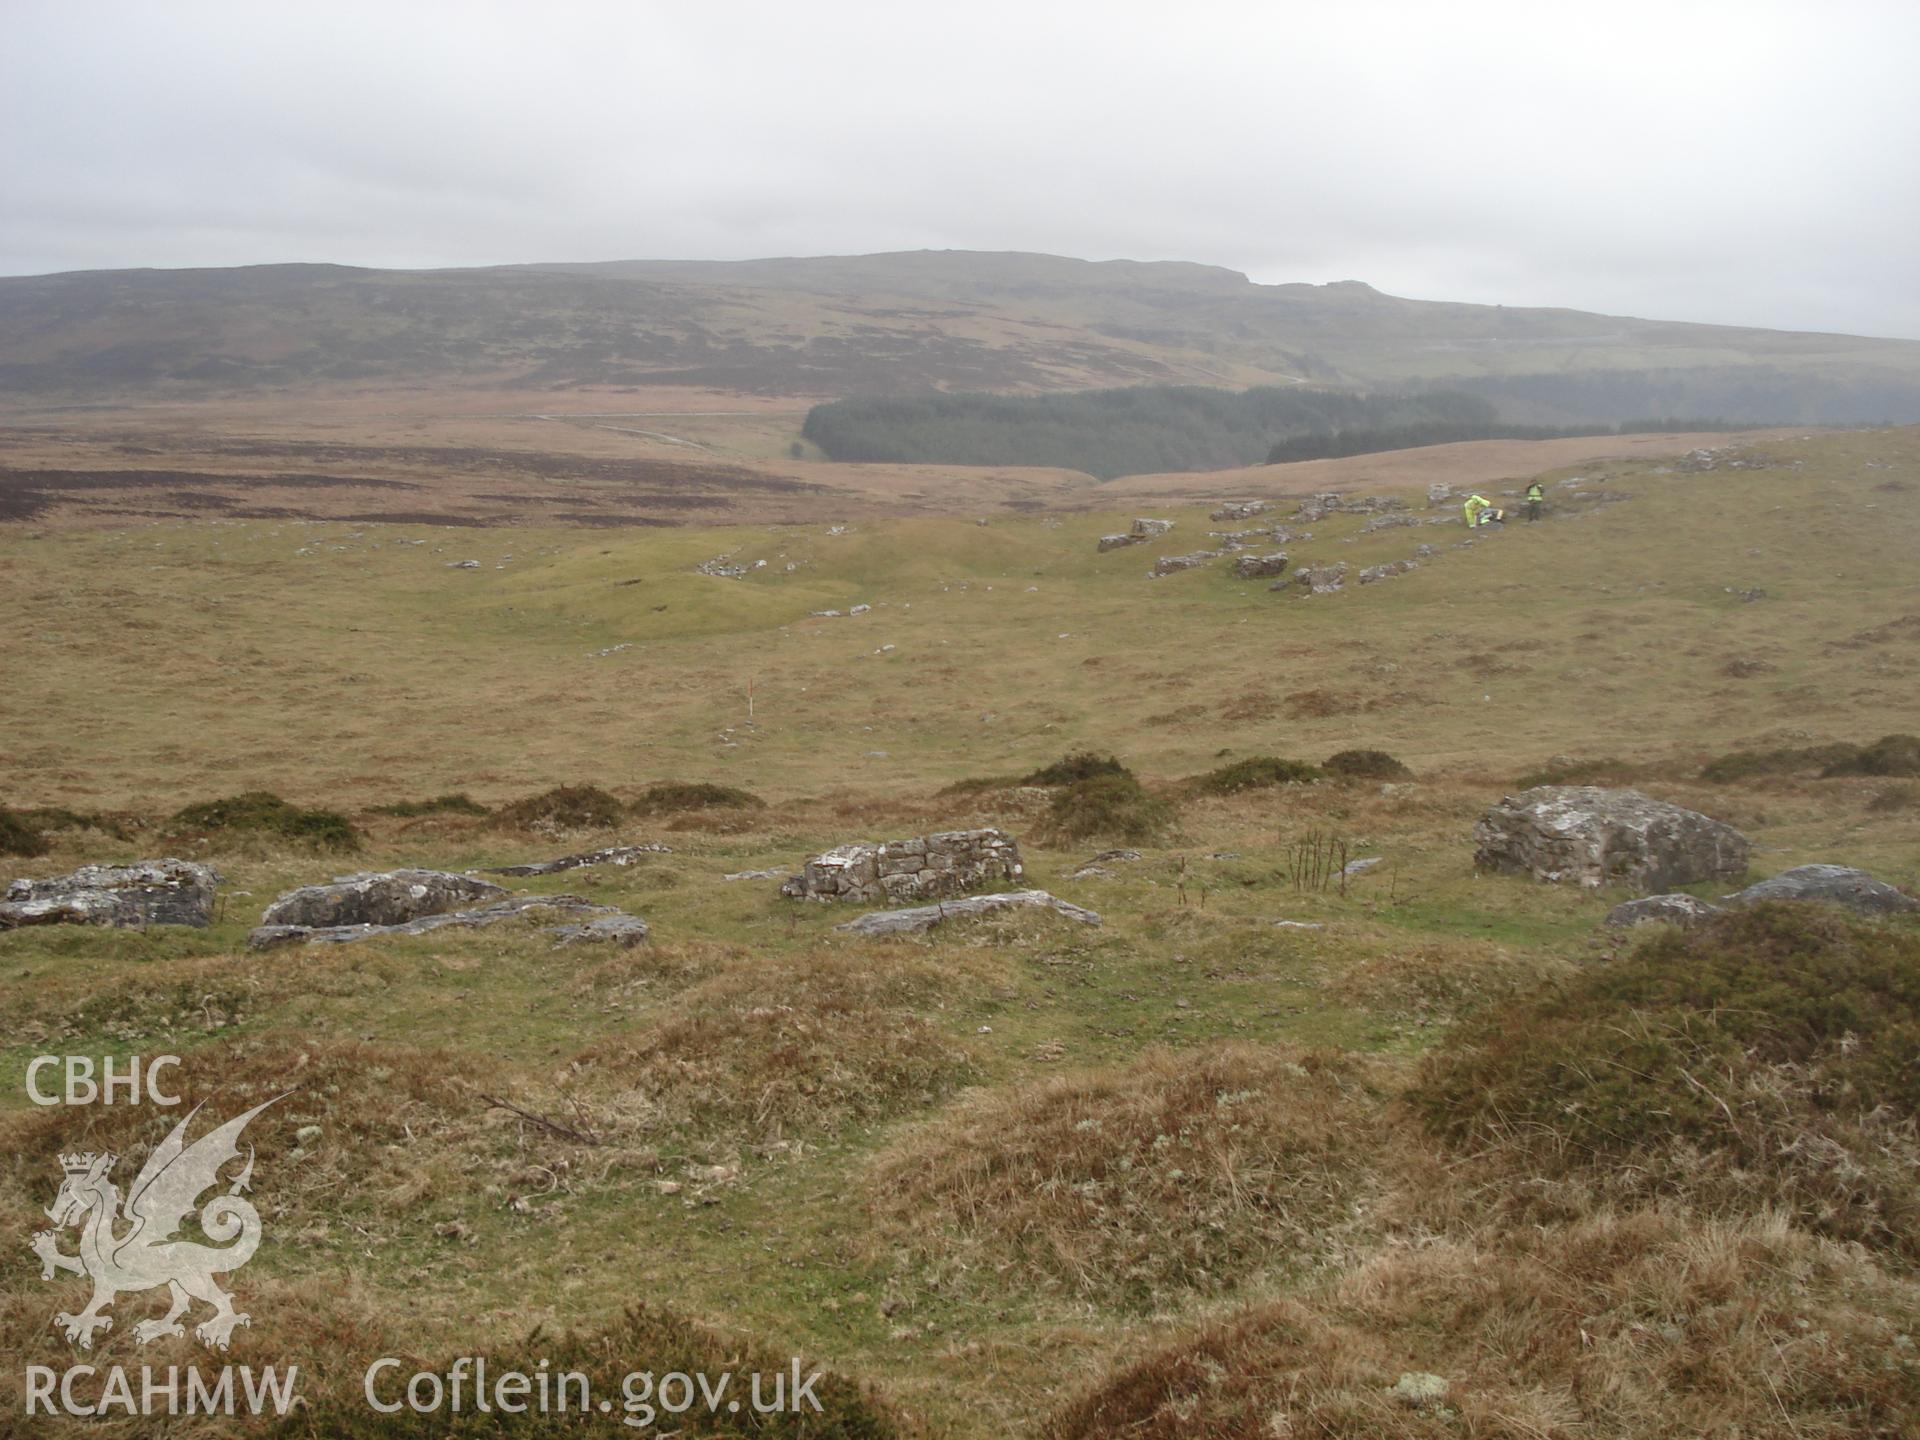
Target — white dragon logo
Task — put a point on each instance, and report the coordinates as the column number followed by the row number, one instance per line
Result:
column 148, row 1255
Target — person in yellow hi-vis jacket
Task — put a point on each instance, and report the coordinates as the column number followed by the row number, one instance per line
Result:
column 1482, row 511
column 1534, row 496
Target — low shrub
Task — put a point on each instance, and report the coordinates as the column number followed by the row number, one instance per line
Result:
column 261, row 812
column 1787, row 760
column 1107, row 807
column 457, row 804
column 1366, row 765
column 670, row 797
column 1080, row 765
column 1255, row 773
column 18, row 836
column 565, row 807
column 1763, row 1059
column 1608, row 771
column 1890, row 755
column 979, row 785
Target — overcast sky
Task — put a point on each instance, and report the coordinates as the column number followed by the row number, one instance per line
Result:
column 1746, row 162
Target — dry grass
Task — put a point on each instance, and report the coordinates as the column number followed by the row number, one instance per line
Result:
column 774, row 1053
column 1763, row 1060
column 1653, row 1323
column 1181, row 1173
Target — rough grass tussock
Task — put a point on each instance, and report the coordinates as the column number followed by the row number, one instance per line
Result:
column 1131, row 1187
column 1616, row 1328
column 1786, row 760
column 1075, row 767
column 1765, row 1059
column 1890, row 755
column 781, row 1051
column 262, row 813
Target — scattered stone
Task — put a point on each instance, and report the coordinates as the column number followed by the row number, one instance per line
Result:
column 1673, row 909
column 859, row 609
column 1148, row 529
column 1117, row 542
column 621, row 930
column 463, row 565
column 1361, row 866
column 145, row 892
column 1590, row 836
column 612, row 855
column 1438, row 495
column 720, row 567
column 755, row 875
column 1260, row 567
column 1418, row 1388
column 1835, row 884
column 1240, row 510
column 926, row 867
column 1387, row 571
column 611, row 650
column 267, row 937
column 1425, row 552
column 1320, row 579
column 903, row 922
column 1389, row 522
column 1297, row 925
column 1170, row 564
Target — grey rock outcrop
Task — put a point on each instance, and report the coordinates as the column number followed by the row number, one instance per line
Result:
column 1115, row 542
column 925, row 917
column 1438, row 495
column 1260, row 567
column 1673, row 909
column 1835, row 884
column 612, row 855
column 1171, row 564
column 1589, row 836
column 1143, row 529
column 926, row 867
column 1389, row 522
column 144, row 892
column 1320, row 579
column 267, row 937
column 621, row 930
column 1240, row 510
column 390, row 897
column 1387, row 571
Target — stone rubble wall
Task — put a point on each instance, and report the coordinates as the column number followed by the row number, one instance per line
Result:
column 925, row 867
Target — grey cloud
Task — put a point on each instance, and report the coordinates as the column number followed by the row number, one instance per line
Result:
column 1735, row 162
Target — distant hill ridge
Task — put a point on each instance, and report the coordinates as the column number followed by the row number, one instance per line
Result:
column 904, row 323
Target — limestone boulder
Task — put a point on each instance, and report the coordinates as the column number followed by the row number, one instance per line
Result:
column 925, row 917
column 925, row 867
column 1260, row 567
column 1589, row 836
column 143, row 892
column 1671, row 909
column 1836, row 885
column 390, row 897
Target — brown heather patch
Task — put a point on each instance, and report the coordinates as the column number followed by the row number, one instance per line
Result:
column 1130, row 1186
column 1649, row 1324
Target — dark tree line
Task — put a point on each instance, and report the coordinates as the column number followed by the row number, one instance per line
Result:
column 1108, row 433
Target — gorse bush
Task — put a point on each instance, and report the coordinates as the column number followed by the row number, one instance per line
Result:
column 1890, row 755
column 456, row 804
column 673, row 796
column 1764, row 1059
column 1255, row 773
column 1108, row 807
column 1080, row 765
column 1366, row 765
column 17, row 837
column 261, row 812
column 565, row 807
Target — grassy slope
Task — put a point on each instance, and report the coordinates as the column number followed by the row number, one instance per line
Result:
column 155, row 665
